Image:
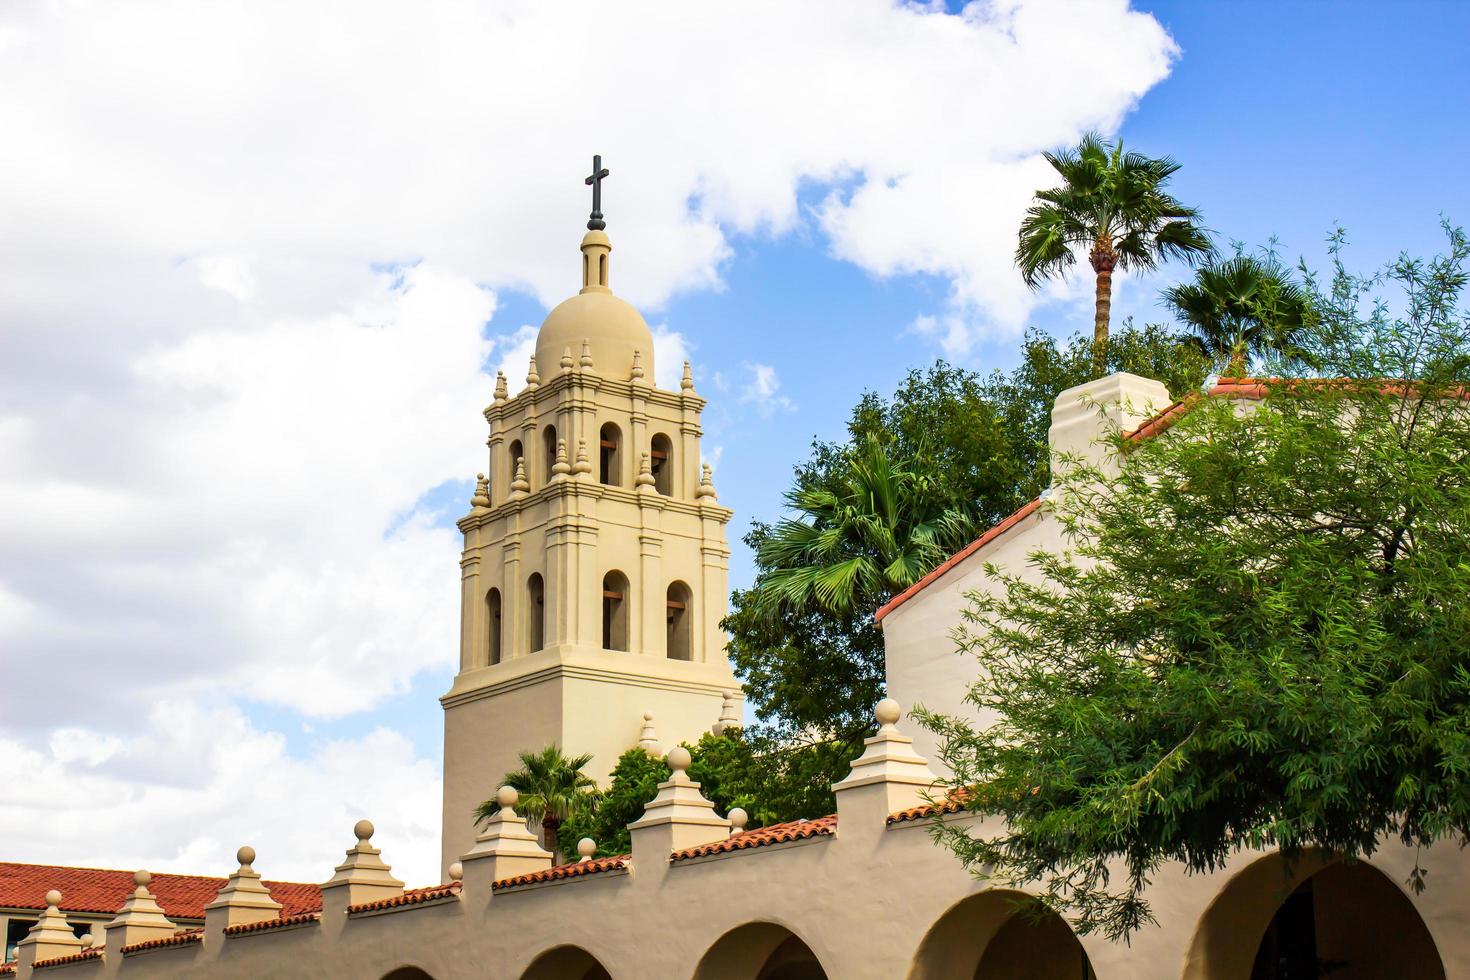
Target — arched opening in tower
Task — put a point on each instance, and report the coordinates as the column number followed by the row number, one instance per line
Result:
column 615, row 611
column 680, row 639
column 516, row 454
column 492, row 627
column 548, row 446
column 662, row 457
column 609, row 472
column 535, row 612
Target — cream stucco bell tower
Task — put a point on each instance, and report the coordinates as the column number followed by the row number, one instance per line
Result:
column 595, row 560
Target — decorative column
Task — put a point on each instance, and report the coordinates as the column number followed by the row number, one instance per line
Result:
column 49, row 938
column 690, row 406
column 362, row 877
column 888, row 776
column 504, row 849
column 139, row 920
column 678, row 817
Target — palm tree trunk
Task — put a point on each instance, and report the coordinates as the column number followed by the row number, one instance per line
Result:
column 549, row 827
column 1103, row 259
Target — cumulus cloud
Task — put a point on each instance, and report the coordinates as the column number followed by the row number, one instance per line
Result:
column 247, row 261
column 763, row 390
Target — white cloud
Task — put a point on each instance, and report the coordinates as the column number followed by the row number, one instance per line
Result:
column 763, row 391
column 247, row 261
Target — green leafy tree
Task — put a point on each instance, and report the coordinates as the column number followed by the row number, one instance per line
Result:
column 604, row 815
column 1239, row 307
column 551, row 786
column 1112, row 205
column 1259, row 636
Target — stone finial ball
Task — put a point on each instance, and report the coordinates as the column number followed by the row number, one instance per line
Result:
column 507, row 797
column 456, row 871
column 648, row 716
column 245, row 855
column 363, row 829
column 53, row 897
column 142, row 878
column 887, row 712
column 88, row 940
column 739, row 818
column 678, row 758
column 586, row 847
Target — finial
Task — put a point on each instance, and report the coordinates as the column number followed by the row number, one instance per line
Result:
column 637, row 364
column 887, row 712
column 88, row 941
column 501, row 392
column 520, row 484
column 566, row 359
column 482, row 492
column 648, row 740
column 456, row 871
column 532, row 377
column 586, row 847
column 738, row 819
column 246, row 856
column 561, row 467
column 508, row 797
column 729, row 718
column 706, row 486
column 686, row 383
column 364, row 830
column 583, row 464
column 53, row 900
column 142, row 878
column 594, row 220
column 678, row 760
column 586, row 359
column 645, row 473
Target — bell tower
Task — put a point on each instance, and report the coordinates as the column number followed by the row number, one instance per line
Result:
column 595, row 561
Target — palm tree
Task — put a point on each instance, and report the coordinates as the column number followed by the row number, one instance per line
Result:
column 1239, row 307
column 549, row 783
column 875, row 530
column 1112, row 204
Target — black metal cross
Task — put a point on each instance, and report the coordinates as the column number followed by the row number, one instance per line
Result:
column 594, row 220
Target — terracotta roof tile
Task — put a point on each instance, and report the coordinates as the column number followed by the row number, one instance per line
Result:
column 413, row 896
column 24, row 886
column 7, row 969
column 953, row 803
column 90, row 954
column 180, row 938
column 576, row 870
column 265, row 924
column 778, row 833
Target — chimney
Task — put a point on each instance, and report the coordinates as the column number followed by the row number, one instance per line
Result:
column 1084, row 417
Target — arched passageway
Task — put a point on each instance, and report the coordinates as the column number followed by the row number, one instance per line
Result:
column 760, row 951
column 1317, row 918
column 566, row 963
column 993, row 936
column 407, row 973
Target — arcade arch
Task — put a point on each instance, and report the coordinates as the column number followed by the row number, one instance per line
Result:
column 566, row 963
column 760, row 951
column 992, row 936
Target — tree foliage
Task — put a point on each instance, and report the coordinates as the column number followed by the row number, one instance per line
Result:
column 1260, row 636
column 1240, row 307
column 1112, row 205
column 551, row 787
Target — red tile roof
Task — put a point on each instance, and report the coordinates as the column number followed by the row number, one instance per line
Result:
column 1223, row 387
column 777, row 833
column 90, row 954
column 413, row 896
column 953, row 803
column 576, row 870
column 24, row 886
column 181, row 938
column 264, row 924
column 7, row 969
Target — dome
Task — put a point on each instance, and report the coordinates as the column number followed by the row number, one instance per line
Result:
column 612, row 328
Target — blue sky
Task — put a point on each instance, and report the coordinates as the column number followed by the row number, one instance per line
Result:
column 247, row 318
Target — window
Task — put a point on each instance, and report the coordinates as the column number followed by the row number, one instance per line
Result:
column 681, row 622
column 492, row 627
column 535, row 612
column 515, row 457
column 548, row 443
column 611, row 440
column 662, row 457
column 614, row 611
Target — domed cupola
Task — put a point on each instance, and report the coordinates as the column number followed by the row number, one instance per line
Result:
column 612, row 329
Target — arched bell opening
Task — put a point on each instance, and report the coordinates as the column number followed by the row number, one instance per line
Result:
column 548, row 452
column 492, row 627
column 615, row 611
column 760, row 951
column 1314, row 917
column 679, row 606
column 610, row 442
column 661, row 459
column 1000, row 935
column 535, row 612
column 566, row 963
